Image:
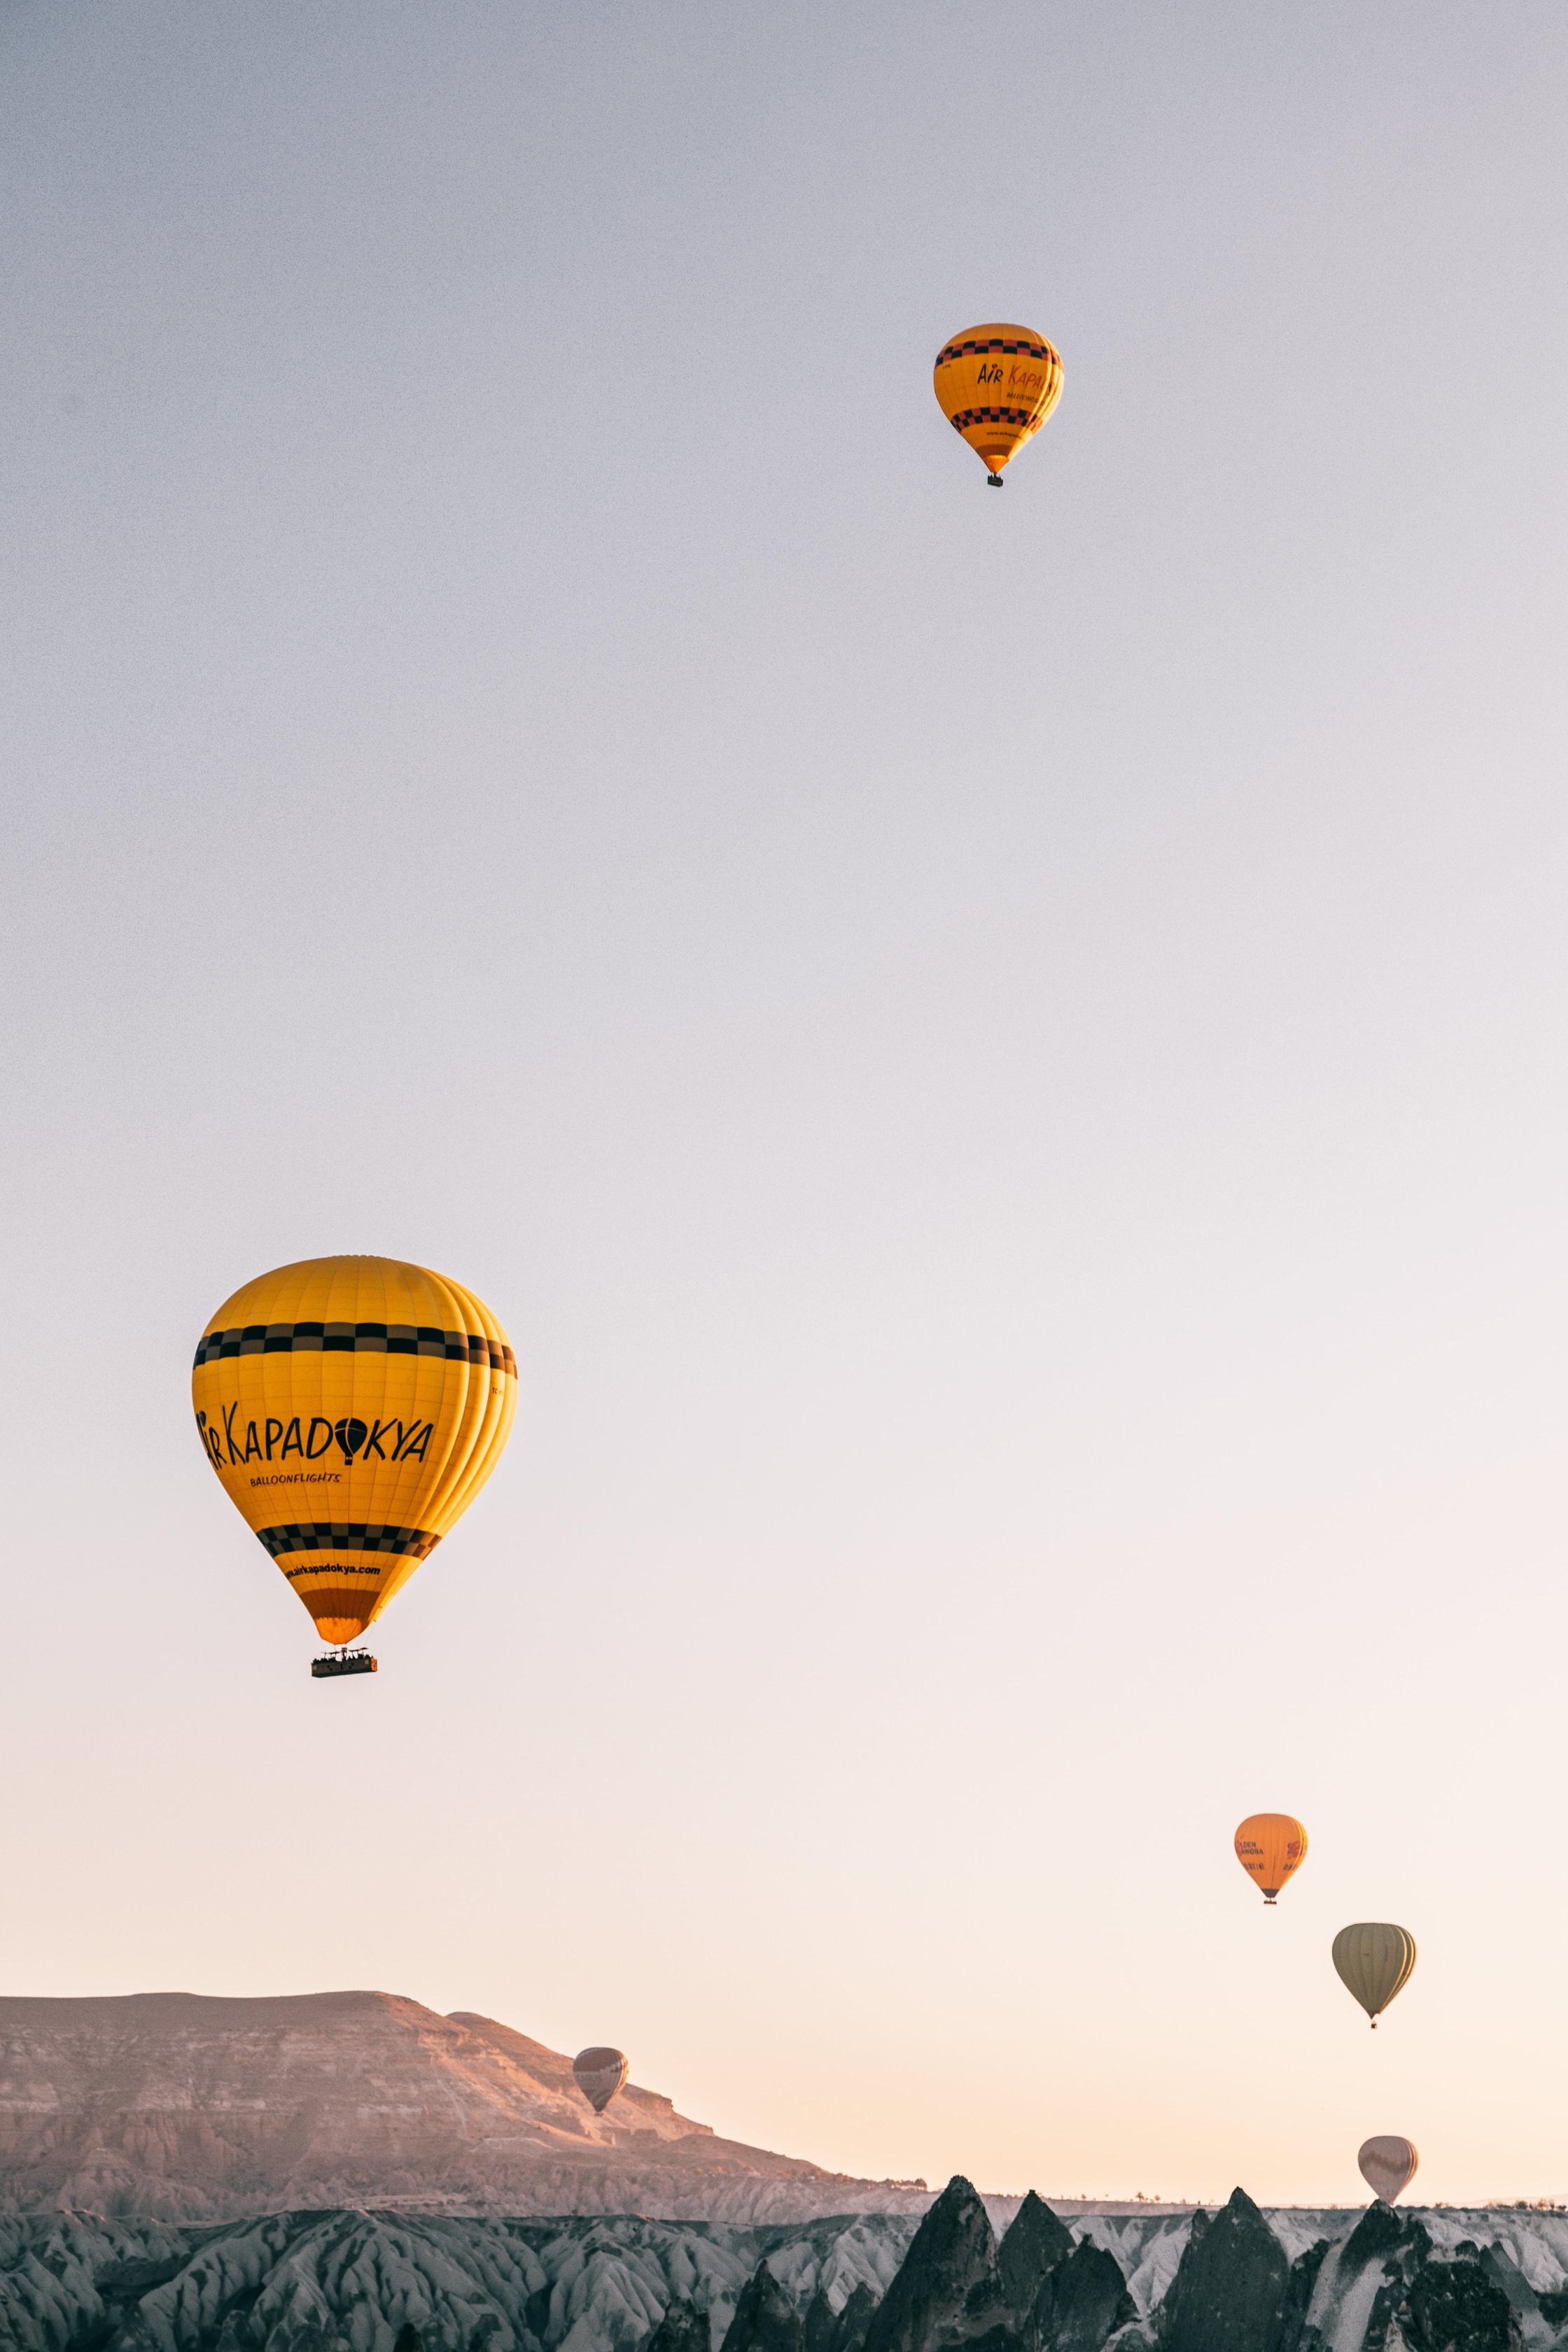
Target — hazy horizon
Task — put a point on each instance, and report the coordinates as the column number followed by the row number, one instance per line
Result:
column 1000, row 1057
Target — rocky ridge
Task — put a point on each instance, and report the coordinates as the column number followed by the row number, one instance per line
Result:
column 1239, row 2279
column 176, row 2107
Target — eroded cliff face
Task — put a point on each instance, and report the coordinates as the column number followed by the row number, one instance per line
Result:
column 376, row 2282
column 172, row 2106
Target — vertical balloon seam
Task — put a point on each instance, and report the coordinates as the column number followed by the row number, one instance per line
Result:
column 448, row 1316
column 500, row 1407
column 469, row 1434
column 501, row 1394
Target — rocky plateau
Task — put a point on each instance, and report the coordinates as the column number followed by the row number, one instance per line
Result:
column 172, row 2106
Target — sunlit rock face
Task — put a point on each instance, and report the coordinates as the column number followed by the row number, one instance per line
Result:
column 170, row 2106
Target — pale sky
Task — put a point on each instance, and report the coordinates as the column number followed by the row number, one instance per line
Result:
column 1001, row 1057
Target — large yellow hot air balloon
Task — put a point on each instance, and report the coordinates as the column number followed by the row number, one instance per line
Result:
column 600, row 2072
column 1374, row 1961
column 352, row 1408
column 1387, row 2164
column 1270, row 1848
column 996, row 385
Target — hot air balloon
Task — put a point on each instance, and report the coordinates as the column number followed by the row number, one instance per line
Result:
column 352, row 1408
column 996, row 385
column 1387, row 2165
column 1270, row 1847
column 599, row 2073
column 1373, row 1960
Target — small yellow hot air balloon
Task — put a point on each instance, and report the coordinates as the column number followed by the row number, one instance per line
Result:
column 996, row 385
column 1373, row 1960
column 1270, row 1847
column 352, row 1408
column 1387, row 2164
column 600, row 2072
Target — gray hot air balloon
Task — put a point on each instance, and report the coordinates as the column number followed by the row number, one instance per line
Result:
column 1373, row 1960
column 600, row 2073
column 1387, row 2165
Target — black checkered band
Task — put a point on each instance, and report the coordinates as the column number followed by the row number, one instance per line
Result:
column 351, row 1535
column 991, row 417
column 356, row 1339
column 963, row 350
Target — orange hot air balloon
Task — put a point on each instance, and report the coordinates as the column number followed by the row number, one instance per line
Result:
column 1270, row 1848
column 352, row 1408
column 996, row 385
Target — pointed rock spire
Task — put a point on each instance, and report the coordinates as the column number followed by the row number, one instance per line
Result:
column 947, row 2276
column 827, row 2330
column 683, row 2328
column 1036, row 2242
column 853, row 2320
column 1230, row 2288
column 1083, row 2302
column 766, row 2319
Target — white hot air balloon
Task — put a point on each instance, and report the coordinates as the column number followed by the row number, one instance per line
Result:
column 1388, row 2165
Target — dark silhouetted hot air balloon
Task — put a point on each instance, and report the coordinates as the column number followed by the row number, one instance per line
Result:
column 1270, row 1848
column 996, row 385
column 1374, row 1961
column 599, row 2073
column 1387, row 2165
column 352, row 1408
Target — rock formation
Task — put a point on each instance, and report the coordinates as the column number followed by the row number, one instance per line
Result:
column 1230, row 2290
column 397, row 2282
column 1083, row 2302
column 948, row 2289
column 172, row 2107
column 1034, row 2242
column 765, row 2317
column 683, row 2328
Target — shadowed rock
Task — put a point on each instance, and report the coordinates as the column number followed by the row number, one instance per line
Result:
column 1454, row 2306
column 947, row 2286
column 1033, row 2246
column 1381, row 2232
column 1083, row 2302
column 766, row 2319
column 853, row 2320
column 683, row 2328
column 821, row 2323
column 1303, row 2279
column 1230, row 2287
column 341, row 2281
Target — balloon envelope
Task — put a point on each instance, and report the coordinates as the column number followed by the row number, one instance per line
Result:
column 1270, row 1848
column 1387, row 2165
column 599, row 2073
column 1373, row 1960
column 352, row 1408
column 996, row 385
